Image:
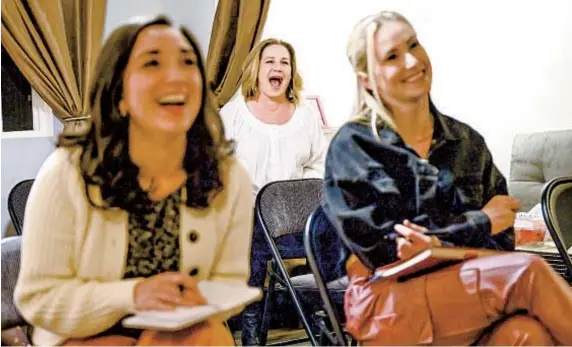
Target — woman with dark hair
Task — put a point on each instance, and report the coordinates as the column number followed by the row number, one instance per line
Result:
column 131, row 214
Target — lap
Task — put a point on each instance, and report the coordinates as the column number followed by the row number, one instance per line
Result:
column 443, row 306
column 108, row 340
column 210, row 333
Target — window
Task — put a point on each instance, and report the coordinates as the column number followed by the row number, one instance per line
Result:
column 24, row 113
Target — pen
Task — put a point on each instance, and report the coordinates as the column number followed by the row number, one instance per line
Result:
column 436, row 233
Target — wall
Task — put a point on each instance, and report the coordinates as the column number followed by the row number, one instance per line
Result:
column 501, row 66
column 197, row 15
column 22, row 158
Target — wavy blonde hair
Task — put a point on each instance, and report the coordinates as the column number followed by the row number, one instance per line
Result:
column 369, row 107
column 252, row 65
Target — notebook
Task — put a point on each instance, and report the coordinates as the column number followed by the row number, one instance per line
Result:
column 430, row 260
column 221, row 297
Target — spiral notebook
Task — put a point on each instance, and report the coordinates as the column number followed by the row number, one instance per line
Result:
column 221, row 297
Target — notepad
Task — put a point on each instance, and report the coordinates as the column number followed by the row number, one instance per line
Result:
column 221, row 297
column 430, row 259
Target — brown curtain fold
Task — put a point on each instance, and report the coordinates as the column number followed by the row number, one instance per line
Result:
column 55, row 44
column 237, row 27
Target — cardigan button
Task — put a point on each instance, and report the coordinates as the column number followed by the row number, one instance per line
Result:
column 194, row 271
column 193, row 236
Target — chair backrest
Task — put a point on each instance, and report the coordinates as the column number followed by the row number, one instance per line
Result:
column 557, row 211
column 284, row 206
column 17, row 203
column 326, row 256
column 10, row 268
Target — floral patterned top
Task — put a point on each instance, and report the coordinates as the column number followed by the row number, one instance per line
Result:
column 154, row 239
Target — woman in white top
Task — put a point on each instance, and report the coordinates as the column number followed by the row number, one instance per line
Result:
column 278, row 138
column 133, row 213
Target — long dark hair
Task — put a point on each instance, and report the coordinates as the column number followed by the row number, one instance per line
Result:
column 105, row 161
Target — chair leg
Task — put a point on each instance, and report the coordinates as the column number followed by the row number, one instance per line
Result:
column 324, row 333
column 267, row 308
column 297, row 304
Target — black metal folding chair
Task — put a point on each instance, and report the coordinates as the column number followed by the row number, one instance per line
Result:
column 326, row 256
column 557, row 210
column 17, row 200
column 282, row 208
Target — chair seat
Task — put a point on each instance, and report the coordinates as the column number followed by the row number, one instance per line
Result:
column 308, row 283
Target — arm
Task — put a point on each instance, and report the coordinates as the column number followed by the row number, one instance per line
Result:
column 49, row 294
column 233, row 259
column 360, row 208
column 233, row 256
column 314, row 166
column 495, row 184
column 365, row 202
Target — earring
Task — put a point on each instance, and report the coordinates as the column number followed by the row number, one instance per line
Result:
column 122, row 107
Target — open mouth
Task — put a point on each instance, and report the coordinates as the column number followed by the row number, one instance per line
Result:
column 172, row 100
column 275, row 81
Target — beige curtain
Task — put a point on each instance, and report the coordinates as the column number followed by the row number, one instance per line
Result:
column 55, row 44
column 237, row 28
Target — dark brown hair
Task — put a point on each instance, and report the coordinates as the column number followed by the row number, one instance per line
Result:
column 105, row 160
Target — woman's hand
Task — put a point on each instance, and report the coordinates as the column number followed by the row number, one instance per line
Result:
column 501, row 210
column 166, row 291
column 413, row 240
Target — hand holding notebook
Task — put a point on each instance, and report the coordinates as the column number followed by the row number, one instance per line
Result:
column 431, row 258
column 422, row 253
column 221, row 298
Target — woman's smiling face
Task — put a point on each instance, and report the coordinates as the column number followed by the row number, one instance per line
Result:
column 162, row 82
column 403, row 70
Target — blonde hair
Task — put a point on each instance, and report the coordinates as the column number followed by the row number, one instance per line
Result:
column 369, row 107
column 252, row 65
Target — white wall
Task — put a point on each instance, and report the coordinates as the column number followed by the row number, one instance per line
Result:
column 504, row 67
column 196, row 15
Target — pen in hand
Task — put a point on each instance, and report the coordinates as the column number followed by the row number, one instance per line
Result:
column 436, row 233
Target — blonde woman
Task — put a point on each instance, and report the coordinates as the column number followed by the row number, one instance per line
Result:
column 278, row 137
column 401, row 168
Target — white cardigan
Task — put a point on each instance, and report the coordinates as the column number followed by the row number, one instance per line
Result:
column 270, row 152
column 73, row 255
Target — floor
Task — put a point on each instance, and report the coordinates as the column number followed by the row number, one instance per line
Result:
column 280, row 336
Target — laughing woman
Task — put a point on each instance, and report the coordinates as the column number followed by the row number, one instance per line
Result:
column 401, row 168
column 130, row 215
column 278, row 138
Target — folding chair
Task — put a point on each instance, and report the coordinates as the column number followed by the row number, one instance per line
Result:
column 17, row 200
column 282, row 208
column 556, row 204
column 326, row 256
column 11, row 317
